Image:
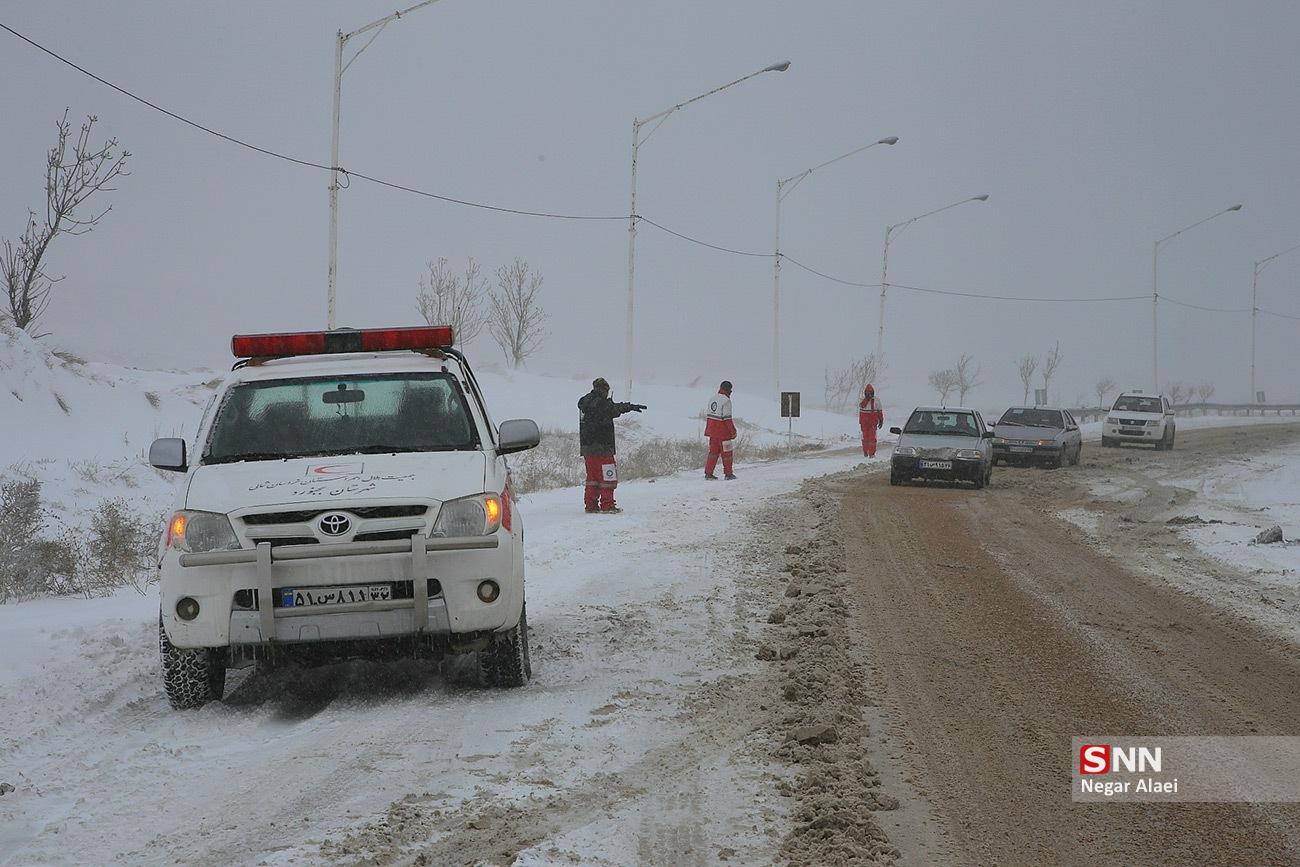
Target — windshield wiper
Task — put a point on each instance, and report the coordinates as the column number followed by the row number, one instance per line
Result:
column 1016, row 423
column 249, row 456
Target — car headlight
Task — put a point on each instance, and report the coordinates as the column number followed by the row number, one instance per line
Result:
column 1110, row 419
column 999, row 441
column 479, row 515
column 905, row 452
column 1155, row 423
column 970, row 453
column 196, row 532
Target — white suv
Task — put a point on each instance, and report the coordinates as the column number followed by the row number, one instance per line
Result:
column 1140, row 418
column 350, row 496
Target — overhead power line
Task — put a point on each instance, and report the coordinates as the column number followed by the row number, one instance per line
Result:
column 298, row 160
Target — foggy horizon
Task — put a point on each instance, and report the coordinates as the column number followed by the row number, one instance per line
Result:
column 1095, row 132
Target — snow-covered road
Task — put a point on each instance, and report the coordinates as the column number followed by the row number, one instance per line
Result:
column 626, row 742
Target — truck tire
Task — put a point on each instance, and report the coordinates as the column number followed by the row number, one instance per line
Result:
column 895, row 478
column 506, row 663
column 192, row 678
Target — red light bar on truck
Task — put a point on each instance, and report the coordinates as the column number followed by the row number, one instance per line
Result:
column 326, row 342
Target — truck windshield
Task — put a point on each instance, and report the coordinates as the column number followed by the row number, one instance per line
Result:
column 961, row 424
column 288, row 418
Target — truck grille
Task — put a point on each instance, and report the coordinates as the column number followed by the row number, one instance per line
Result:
column 306, row 515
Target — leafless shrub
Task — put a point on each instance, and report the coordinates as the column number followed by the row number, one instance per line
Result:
column 1026, row 367
column 63, row 404
column 122, row 549
column 1102, row 388
column 453, row 299
column 154, row 400
column 22, row 519
column 944, row 381
column 967, row 376
column 516, row 320
column 845, row 385
column 71, row 178
column 1050, row 363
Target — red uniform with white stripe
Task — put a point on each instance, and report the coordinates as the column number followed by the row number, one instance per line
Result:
column 721, row 431
column 871, row 417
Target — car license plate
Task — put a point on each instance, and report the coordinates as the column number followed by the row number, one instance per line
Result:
column 302, row 597
column 1132, row 431
column 936, row 465
column 1022, row 448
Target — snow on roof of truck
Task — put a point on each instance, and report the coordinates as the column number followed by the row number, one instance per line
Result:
column 333, row 365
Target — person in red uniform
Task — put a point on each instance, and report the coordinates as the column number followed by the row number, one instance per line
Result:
column 721, row 431
column 871, row 418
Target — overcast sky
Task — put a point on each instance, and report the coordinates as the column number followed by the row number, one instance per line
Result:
column 1095, row 128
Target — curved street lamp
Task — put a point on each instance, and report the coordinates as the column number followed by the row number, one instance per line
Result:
column 1254, row 311
column 884, row 266
column 794, row 181
column 1155, row 292
column 632, row 216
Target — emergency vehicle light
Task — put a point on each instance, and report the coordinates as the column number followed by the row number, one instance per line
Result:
column 325, row 342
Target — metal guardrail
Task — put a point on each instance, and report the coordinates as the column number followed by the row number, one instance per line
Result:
column 1191, row 409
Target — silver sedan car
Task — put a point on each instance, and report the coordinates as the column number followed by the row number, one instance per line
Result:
column 949, row 443
column 1042, row 435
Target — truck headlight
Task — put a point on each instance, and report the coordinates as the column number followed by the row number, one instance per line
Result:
column 196, row 532
column 999, row 441
column 905, row 452
column 1110, row 419
column 479, row 515
column 1155, row 423
column 970, row 453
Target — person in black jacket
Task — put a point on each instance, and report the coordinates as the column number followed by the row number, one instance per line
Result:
column 596, row 414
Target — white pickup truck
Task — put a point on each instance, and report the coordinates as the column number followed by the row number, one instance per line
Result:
column 349, row 496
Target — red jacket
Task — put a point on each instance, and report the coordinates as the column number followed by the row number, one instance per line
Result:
column 718, row 424
column 871, row 415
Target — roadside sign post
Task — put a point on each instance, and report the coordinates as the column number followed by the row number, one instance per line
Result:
column 789, row 412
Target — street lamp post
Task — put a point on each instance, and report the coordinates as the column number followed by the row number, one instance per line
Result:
column 637, row 124
column 1254, row 311
column 340, row 67
column 794, row 181
column 884, row 266
column 1155, row 293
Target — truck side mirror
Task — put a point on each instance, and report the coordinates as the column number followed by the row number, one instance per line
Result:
column 517, row 435
column 168, row 454
column 895, row 430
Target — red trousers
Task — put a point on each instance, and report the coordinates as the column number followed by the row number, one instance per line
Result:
column 718, row 446
column 602, row 479
column 869, row 441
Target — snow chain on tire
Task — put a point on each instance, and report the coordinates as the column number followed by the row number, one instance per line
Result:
column 506, row 662
column 191, row 678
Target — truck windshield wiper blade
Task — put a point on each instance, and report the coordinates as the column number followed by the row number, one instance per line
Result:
column 249, row 456
column 1016, row 423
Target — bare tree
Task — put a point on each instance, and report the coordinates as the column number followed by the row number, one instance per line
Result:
column 70, row 180
column 1026, row 367
column 1176, row 392
column 967, row 375
column 451, row 299
column 1050, row 363
column 944, row 381
column 516, row 320
column 1204, row 392
column 846, row 384
column 1102, row 388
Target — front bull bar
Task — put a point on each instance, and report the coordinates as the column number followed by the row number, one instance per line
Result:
column 265, row 556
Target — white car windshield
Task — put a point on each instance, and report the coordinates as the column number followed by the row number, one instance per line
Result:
column 1135, row 403
column 310, row 417
column 961, row 424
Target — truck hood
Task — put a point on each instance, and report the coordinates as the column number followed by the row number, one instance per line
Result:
column 937, row 446
column 302, row 481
